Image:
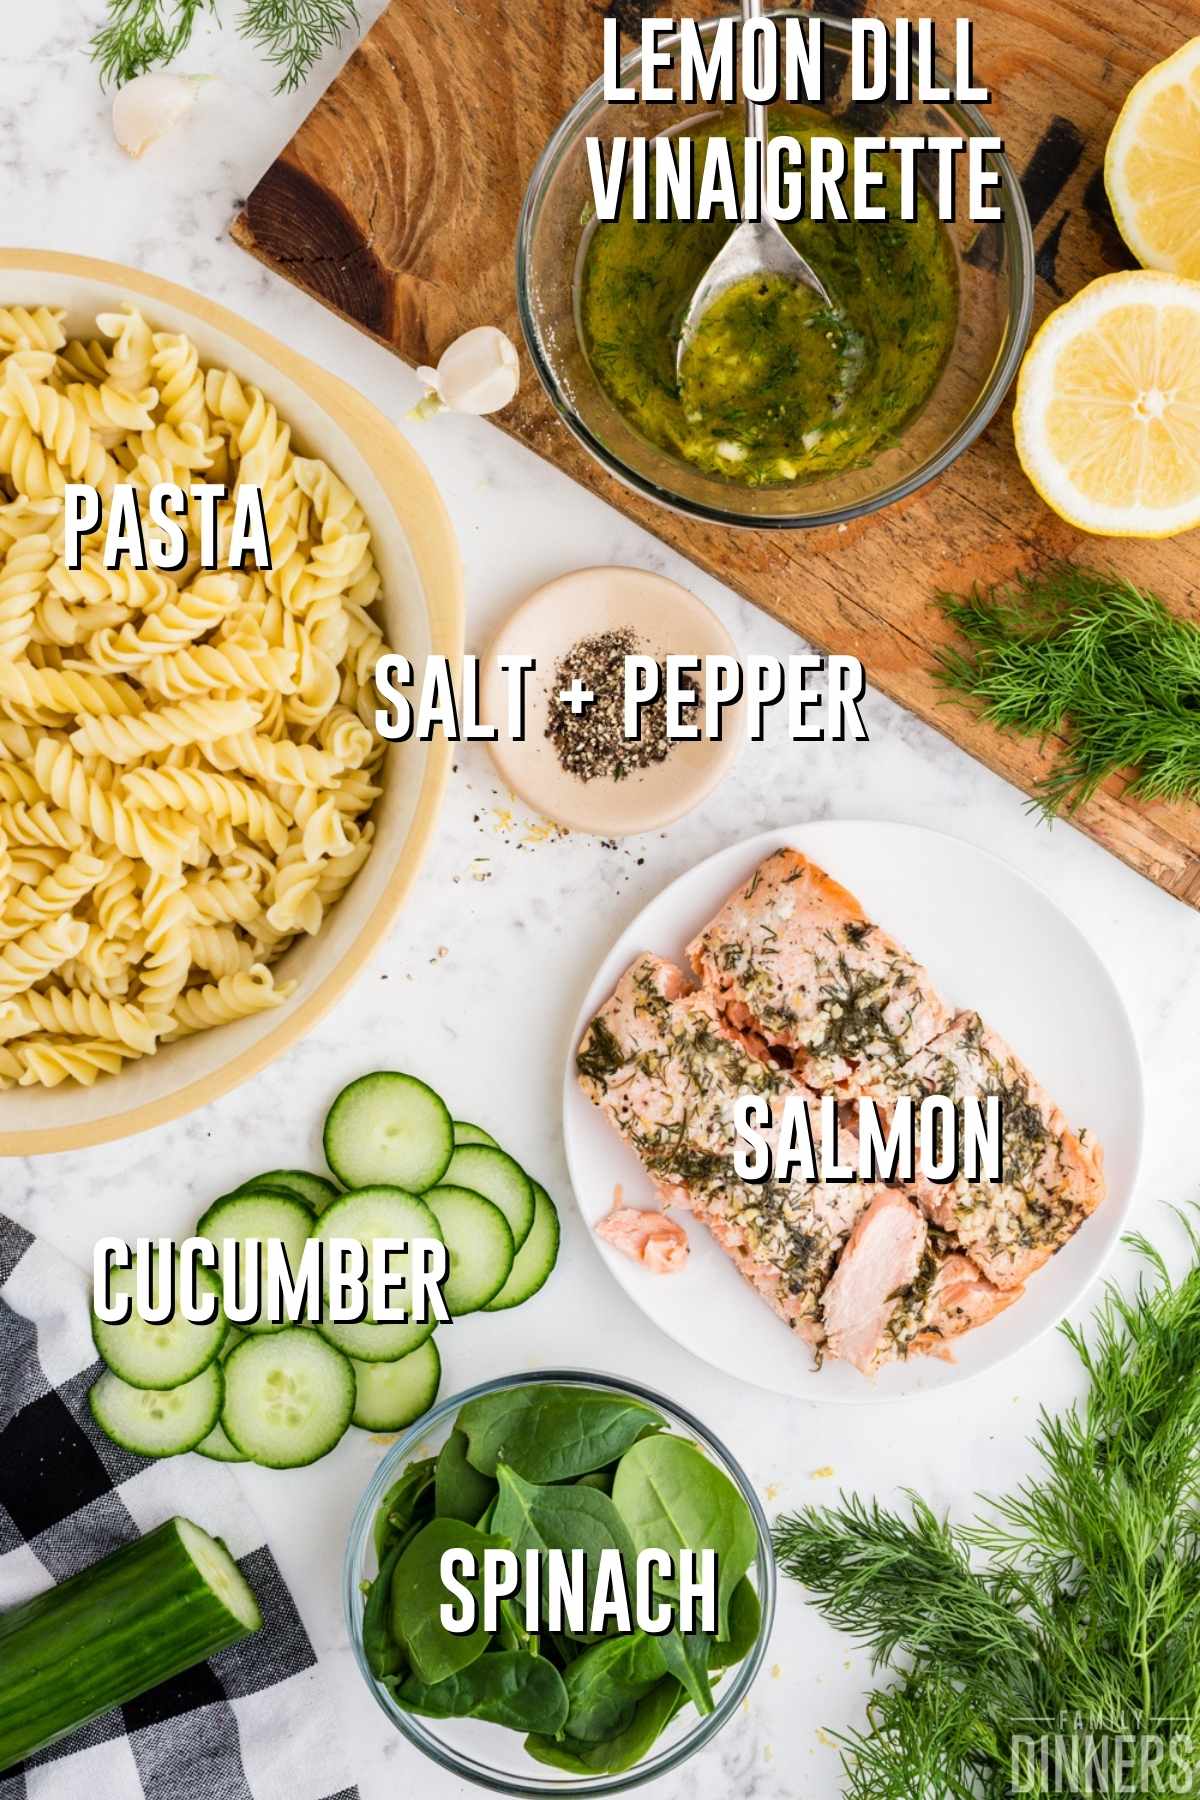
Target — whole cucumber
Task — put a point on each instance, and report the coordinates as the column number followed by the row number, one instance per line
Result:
column 145, row 1613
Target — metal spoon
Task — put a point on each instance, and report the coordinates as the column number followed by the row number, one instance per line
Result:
column 755, row 247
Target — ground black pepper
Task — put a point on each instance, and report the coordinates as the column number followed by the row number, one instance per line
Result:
column 593, row 742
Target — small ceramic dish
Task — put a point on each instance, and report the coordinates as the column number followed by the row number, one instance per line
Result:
column 667, row 621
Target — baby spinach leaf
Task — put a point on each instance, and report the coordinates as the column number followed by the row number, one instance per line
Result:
column 633, row 1742
column 601, row 1479
column 461, row 1491
column 672, row 1498
column 507, row 1687
column 535, row 1517
column 552, row 1433
column 418, row 1595
column 685, row 1654
column 384, row 1656
column 605, row 1684
column 745, row 1623
column 409, row 1498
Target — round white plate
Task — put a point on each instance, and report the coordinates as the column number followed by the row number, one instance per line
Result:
column 992, row 941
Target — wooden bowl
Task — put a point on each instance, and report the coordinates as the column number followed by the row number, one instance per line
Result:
column 421, row 609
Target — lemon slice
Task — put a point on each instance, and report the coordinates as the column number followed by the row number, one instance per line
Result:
column 1108, row 407
column 1152, row 165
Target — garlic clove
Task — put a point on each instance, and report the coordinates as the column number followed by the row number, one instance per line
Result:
column 479, row 372
column 149, row 106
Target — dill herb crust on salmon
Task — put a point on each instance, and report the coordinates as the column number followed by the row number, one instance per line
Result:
column 792, row 959
column 1053, row 1179
column 802, row 994
column 660, row 1064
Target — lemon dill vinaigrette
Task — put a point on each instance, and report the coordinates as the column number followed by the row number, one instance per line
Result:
column 774, row 386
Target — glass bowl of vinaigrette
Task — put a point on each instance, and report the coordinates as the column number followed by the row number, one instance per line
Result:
column 784, row 413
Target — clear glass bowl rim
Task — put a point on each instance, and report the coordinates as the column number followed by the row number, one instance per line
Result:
column 730, row 1692
column 1018, row 233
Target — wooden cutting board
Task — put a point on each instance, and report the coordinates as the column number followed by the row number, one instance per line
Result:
column 396, row 203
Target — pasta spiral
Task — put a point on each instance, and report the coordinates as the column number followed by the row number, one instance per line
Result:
column 38, row 951
column 127, row 739
column 58, row 423
column 205, row 791
column 60, row 890
column 75, row 1014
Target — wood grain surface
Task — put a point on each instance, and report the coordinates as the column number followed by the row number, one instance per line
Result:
column 396, row 203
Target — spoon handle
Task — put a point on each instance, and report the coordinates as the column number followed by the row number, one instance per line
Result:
column 756, row 127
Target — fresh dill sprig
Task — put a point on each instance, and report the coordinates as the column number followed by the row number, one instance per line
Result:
column 140, row 34
column 292, row 34
column 1080, row 652
column 1068, row 1615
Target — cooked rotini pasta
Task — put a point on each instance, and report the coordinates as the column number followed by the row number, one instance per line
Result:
column 186, row 758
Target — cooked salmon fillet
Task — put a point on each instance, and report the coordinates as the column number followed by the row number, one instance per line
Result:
column 1052, row 1178
column 658, row 1061
column 802, row 995
column 792, row 959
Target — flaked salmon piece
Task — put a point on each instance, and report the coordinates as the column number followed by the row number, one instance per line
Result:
column 659, row 1243
column 960, row 1297
column 881, row 1260
column 658, row 1061
column 1052, row 1178
column 792, row 961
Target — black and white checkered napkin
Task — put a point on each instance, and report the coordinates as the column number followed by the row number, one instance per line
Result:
column 253, row 1723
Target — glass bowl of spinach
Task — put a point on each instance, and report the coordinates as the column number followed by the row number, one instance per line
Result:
column 568, row 1460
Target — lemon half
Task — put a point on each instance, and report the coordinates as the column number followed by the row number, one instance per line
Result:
column 1152, row 165
column 1108, row 407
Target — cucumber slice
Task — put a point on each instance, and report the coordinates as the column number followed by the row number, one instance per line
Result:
column 466, row 1133
column 256, row 1213
column 393, row 1394
column 150, row 1422
column 536, row 1257
column 374, row 1343
column 316, row 1191
column 381, row 1212
column 368, row 1214
column 218, row 1445
column 288, row 1398
column 388, row 1129
column 480, row 1245
column 158, row 1356
column 488, row 1171
column 274, row 1185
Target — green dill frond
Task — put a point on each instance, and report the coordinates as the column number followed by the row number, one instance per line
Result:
column 1076, row 653
column 293, row 34
column 140, row 34
column 1074, row 1598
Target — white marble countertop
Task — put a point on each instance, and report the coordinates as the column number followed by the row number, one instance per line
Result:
column 480, row 979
